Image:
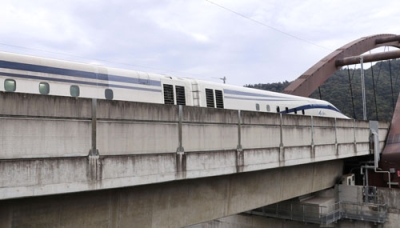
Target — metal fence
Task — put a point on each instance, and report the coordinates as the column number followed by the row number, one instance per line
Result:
column 324, row 215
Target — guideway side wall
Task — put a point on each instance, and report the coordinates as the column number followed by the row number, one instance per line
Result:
column 52, row 145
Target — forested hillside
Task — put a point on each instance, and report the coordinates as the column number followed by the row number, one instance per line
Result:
column 337, row 90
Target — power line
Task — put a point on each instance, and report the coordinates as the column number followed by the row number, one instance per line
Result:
column 268, row 26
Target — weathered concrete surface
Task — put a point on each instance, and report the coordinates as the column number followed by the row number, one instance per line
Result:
column 173, row 204
column 27, row 138
column 61, row 127
column 46, row 141
column 392, row 198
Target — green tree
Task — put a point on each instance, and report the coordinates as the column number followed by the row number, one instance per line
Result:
column 337, row 91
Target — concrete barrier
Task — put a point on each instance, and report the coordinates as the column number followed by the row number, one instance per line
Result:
column 63, row 144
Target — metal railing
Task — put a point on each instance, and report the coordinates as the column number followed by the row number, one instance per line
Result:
column 324, row 215
column 364, row 211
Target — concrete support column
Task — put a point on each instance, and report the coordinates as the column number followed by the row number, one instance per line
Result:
column 281, row 146
column 94, row 167
column 312, row 148
column 336, row 139
column 180, row 151
column 239, row 149
column 355, row 140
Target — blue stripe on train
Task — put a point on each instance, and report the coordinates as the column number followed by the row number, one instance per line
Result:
column 235, row 92
column 77, row 82
column 255, row 99
column 311, row 106
column 76, row 73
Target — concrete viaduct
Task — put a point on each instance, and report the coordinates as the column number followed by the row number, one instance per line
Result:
column 158, row 165
column 68, row 162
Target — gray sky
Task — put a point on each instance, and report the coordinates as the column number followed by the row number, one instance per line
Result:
column 262, row 41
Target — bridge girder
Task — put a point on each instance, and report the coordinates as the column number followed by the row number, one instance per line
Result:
column 310, row 80
column 368, row 58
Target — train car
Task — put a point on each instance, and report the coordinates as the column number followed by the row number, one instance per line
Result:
column 34, row 75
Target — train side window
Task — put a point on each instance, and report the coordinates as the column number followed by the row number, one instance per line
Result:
column 278, row 110
column 74, row 91
column 295, row 110
column 258, row 107
column 210, row 98
column 219, row 99
column 303, row 111
column 168, row 94
column 286, row 110
column 180, row 95
column 44, row 88
column 10, row 85
column 109, row 94
column 268, row 108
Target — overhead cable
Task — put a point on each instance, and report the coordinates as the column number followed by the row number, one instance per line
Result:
column 268, row 26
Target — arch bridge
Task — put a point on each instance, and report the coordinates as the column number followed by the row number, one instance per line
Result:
column 350, row 53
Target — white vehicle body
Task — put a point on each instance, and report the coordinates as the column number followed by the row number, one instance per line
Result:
column 34, row 75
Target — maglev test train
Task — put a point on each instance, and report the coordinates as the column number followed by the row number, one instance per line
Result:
column 34, row 75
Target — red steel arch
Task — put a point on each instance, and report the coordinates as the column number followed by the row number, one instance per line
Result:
column 321, row 71
column 317, row 74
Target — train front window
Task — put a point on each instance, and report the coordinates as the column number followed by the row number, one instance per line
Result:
column 44, row 88
column 10, row 85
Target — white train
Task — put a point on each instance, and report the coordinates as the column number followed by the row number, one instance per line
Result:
column 34, row 75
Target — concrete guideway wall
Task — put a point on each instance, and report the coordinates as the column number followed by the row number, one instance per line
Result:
column 46, row 142
column 42, row 126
